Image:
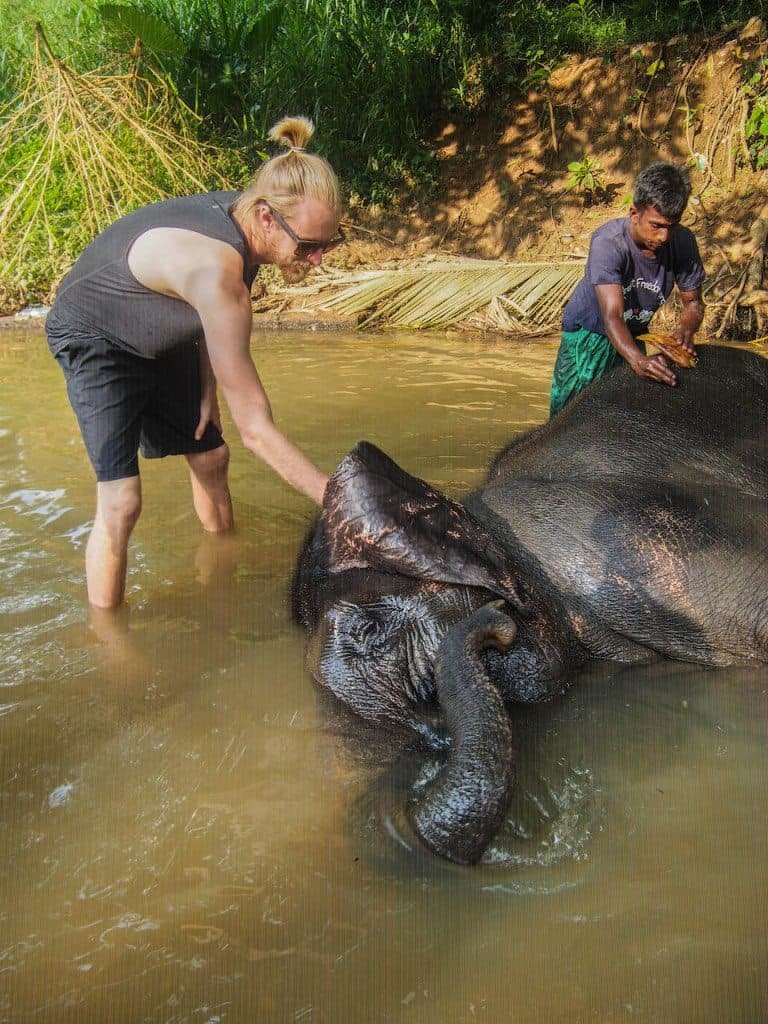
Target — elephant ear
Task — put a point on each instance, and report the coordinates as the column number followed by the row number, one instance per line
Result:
column 376, row 516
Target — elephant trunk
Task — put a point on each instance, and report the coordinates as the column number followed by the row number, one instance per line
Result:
column 461, row 810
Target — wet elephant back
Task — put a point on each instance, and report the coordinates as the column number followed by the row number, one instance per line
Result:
column 712, row 427
column 676, row 570
column 644, row 509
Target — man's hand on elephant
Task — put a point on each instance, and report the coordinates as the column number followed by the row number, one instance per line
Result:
column 655, row 368
column 686, row 340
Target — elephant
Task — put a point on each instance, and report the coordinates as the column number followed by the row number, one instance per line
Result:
column 630, row 526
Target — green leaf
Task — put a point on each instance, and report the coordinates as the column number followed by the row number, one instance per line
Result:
column 156, row 34
column 262, row 34
column 657, row 65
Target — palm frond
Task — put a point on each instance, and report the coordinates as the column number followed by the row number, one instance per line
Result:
column 519, row 298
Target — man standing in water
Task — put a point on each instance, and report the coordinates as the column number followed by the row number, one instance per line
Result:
column 157, row 311
column 633, row 264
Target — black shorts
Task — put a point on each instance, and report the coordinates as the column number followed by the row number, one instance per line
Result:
column 124, row 403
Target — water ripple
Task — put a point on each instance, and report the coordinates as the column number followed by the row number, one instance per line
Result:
column 45, row 504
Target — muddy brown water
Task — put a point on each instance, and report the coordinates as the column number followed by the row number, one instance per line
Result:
column 188, row 835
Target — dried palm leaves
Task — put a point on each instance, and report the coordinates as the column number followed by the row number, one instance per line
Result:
column 79, row 150
column 518, row 298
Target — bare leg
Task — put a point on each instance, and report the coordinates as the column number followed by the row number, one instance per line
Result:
column 118, row 505
column 210, row 490
column 216, row 557
column 110, row 625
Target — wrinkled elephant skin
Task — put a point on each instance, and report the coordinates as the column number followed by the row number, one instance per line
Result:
column 630, row 526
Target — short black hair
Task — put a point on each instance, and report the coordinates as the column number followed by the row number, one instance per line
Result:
column 665, row 186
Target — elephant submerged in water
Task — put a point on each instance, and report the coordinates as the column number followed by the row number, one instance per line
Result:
column 631, row 526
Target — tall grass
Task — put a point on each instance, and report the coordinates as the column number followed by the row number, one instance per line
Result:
column 372, row 77
column 370, row 74
column 79, row 150
column 214, row 50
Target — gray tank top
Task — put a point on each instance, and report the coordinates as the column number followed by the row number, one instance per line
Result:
column 101, row 298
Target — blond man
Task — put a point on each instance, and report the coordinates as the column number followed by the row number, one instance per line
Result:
column 156, row 313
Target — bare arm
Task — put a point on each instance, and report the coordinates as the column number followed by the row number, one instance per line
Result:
column 224, row 306
column 654, row 367
column 208, row 274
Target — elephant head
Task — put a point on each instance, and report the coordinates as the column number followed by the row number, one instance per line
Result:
column 393, row 586
column 596, row 542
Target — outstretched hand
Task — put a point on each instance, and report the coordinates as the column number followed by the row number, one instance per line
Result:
column 655, row 368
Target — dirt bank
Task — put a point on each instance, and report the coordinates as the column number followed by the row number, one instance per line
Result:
column 503, row 176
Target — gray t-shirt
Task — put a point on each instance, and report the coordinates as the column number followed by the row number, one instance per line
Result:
column 100, row 298
column 646, row 281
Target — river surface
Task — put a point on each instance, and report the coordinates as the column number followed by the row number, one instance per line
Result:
column 187, row 835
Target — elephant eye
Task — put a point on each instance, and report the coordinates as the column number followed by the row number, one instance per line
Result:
column 365, row 630
column 357, row 629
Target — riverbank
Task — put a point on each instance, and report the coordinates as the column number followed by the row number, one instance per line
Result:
column 506, row 189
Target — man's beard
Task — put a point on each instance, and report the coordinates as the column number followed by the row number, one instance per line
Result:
column 294, row 273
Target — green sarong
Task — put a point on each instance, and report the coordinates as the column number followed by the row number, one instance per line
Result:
column 583, row 356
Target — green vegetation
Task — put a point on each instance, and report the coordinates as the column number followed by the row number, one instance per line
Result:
column 586, row 176
column 756, row 127
column 371, row 75
column 216, row 54
column 80, row 149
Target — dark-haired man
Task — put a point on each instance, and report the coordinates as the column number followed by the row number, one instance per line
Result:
column 633, row 264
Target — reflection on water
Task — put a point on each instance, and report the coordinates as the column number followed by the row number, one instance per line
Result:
column 188, row 836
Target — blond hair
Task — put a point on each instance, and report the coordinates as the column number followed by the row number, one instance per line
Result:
column 289, row 177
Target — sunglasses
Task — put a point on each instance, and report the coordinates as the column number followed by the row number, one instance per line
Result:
column 306, row 246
